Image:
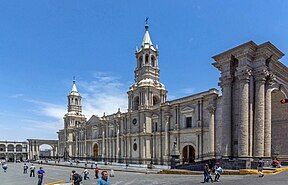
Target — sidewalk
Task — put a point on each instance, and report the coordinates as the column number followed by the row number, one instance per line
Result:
column 136, row 168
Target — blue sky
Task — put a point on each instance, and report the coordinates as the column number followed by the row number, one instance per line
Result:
column 43, row 44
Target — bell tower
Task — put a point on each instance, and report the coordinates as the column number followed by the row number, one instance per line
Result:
column 73, row 119
column 147, row 91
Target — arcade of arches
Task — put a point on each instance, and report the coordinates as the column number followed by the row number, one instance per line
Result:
column 12, row 151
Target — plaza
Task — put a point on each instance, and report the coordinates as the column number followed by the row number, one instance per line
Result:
column 54, row 174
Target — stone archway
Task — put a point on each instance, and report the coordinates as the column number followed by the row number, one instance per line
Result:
column 34, row 148
column 188, row 154
column 279, row 125
column 95, row 150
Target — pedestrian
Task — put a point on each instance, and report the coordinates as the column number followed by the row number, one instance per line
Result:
column 260, row 167
column 32, row 170
column 92, row 166
column 104, row 179
column 218, row 172
column 86, row 164
column 25, row 168
column 76, row 178
column 40, row 174
column 112, row 174
column 96, row 172
column 207, row 174
column 86, row 174
column 5, row 167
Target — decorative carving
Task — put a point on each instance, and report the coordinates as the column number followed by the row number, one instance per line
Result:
column 244, row 74
column 211, row 108
column 225, row 81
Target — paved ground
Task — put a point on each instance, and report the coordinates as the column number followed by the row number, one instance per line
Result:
column 15, row 176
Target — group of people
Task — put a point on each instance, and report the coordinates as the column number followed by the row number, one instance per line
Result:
column 208, row 173
column 76, row 178
column 40, row 172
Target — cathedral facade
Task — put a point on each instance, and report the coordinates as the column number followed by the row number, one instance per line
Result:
column 244, row 121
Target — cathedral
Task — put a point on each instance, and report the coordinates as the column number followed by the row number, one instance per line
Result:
column 244, row 121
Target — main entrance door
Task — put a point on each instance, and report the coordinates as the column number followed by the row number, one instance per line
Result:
column 95, row 150
column 188, row 154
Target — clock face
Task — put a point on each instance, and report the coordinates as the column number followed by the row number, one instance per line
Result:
column 134, row 121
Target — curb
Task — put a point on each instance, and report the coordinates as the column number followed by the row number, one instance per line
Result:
column 124, row 170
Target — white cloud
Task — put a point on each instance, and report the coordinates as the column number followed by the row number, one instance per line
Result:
column 105, row 93
column 49, row 109
column 16, row 95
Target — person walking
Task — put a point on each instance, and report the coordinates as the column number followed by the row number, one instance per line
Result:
column 260, row 167
column 104, row 178
column 86, row 173
column 5, row 167
column 25, row 168
column 96, row 172
column 32, row 170
column 40, row 174
column 207, row 174
column 218, row 172
column 76, row 178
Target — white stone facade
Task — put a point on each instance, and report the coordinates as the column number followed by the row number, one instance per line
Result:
column 242, row 122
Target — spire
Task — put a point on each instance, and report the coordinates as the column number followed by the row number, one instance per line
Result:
column 74, row 88
column 74, row 91
column 146, row 43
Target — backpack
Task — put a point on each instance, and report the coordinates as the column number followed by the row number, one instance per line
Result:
column 77, row 177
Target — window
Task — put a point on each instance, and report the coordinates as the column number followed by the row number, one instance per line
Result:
column 188, row 122
column 140, row 62
column 134, row 121
column 134, row 146
column 155, row 127
column 153, row 61
column 146, row 59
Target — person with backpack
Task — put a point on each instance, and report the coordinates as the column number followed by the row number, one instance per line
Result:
column 97, row 169
column 86, row 173
column 76, row 178
column 25, row 168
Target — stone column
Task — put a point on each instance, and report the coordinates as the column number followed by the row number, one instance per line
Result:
column 267, row 125
column 77, row 144
column 212, row 110
column 103, row 144
column 166, row 151
column 226, row 115
column 259, row 116
column 243, row 131
column 117, row 144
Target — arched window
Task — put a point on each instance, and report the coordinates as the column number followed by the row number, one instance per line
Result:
column 146, row 59
column 136, row 103
column 134, row 146
column 140, row 61
column 153, row 61
column 76, row 101
column 156, row 100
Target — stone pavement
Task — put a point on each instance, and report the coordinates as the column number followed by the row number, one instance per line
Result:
column 15, row 176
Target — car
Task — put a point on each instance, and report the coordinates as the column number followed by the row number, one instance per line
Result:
column 18, row 161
